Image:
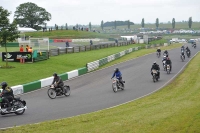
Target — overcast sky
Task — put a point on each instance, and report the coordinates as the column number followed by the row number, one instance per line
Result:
column 75, row 12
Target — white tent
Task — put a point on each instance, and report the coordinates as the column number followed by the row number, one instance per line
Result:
column 24, row 29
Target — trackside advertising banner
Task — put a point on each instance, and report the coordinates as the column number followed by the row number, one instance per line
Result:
column 15, row 56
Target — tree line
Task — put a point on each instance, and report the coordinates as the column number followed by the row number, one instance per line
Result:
column 173, row 23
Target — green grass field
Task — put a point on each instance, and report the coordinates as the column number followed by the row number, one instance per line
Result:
column 63, row 34
column 195, row 25
column 71, row 34
column 174, row 108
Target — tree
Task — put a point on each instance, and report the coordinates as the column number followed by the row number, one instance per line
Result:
column 157, row 23
column 115, row 24
column 173, row 23
column 30, row 15
column 8, row 32
column 142, row 23
column 55, row 27
column 128, row 24
column 90, row 26
column 190, row 22
column 66, row 27
column 102, row 24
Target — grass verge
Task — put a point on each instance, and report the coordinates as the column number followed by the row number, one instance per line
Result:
column 24, row 73
column 175, row 108
column 66, row 34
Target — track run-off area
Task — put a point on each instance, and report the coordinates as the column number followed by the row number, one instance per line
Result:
column 93, row 91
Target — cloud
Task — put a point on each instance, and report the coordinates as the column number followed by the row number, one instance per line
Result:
column 85, row 11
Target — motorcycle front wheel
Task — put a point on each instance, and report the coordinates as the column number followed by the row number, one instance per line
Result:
column 114, row 86
column 67, row 91
column 51, row 93
column 154, row 78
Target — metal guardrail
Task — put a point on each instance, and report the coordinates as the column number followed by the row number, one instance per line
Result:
column 76, row 49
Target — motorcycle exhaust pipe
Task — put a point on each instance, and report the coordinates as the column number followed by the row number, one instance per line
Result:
column 20, row 109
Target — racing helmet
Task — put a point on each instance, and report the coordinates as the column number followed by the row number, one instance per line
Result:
column 55, row 74
column 116, row 69
column 4, row 84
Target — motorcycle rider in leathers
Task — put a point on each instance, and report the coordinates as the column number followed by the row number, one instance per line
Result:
column 7, row 95
column 156, row 67
column 58, row 80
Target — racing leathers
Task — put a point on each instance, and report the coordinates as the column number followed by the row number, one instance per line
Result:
column 59, row 82
column 169, row 62
column 7, row 96
column 156, row 67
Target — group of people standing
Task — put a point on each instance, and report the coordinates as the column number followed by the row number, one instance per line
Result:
column 28, row 49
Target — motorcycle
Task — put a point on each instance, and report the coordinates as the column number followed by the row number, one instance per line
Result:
column 158, row 54
column 168, row 69
column 117, row 85
column 188, row 54
column 164, row 64
column 18, row 106
column 182, row 57
column 155, row 75
column 53, row 91
column 194, row 45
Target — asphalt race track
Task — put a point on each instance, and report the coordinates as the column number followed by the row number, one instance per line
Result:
column 92, row 92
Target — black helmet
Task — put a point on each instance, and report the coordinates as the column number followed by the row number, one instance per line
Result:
column 4, row 84
column 116, row 69
column 55, row 74
column 166, row 55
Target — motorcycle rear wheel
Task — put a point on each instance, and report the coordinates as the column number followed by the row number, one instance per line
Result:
column 51, row 93
column 122, row 86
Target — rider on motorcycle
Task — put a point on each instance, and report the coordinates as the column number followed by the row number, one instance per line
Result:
column 187, row 49
column 193, row 44
column 183, row 48
column 169, row 62
column 58, row 80
column 156, row 67
column 7, row 94
column 183, row 52
column 165, row 52
column 118, row 75
column 158, row 50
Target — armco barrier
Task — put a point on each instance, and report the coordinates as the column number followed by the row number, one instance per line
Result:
column 82, row 71
column 64, row 76
column 32, row 86
column 46, row 81
column 72, row 74
column 18, row 89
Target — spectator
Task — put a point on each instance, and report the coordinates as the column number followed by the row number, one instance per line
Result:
column 21, row 49
column 27, row 48
column 91, row 43
column 116, row 41
column 30, row 50
column 67, row 44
